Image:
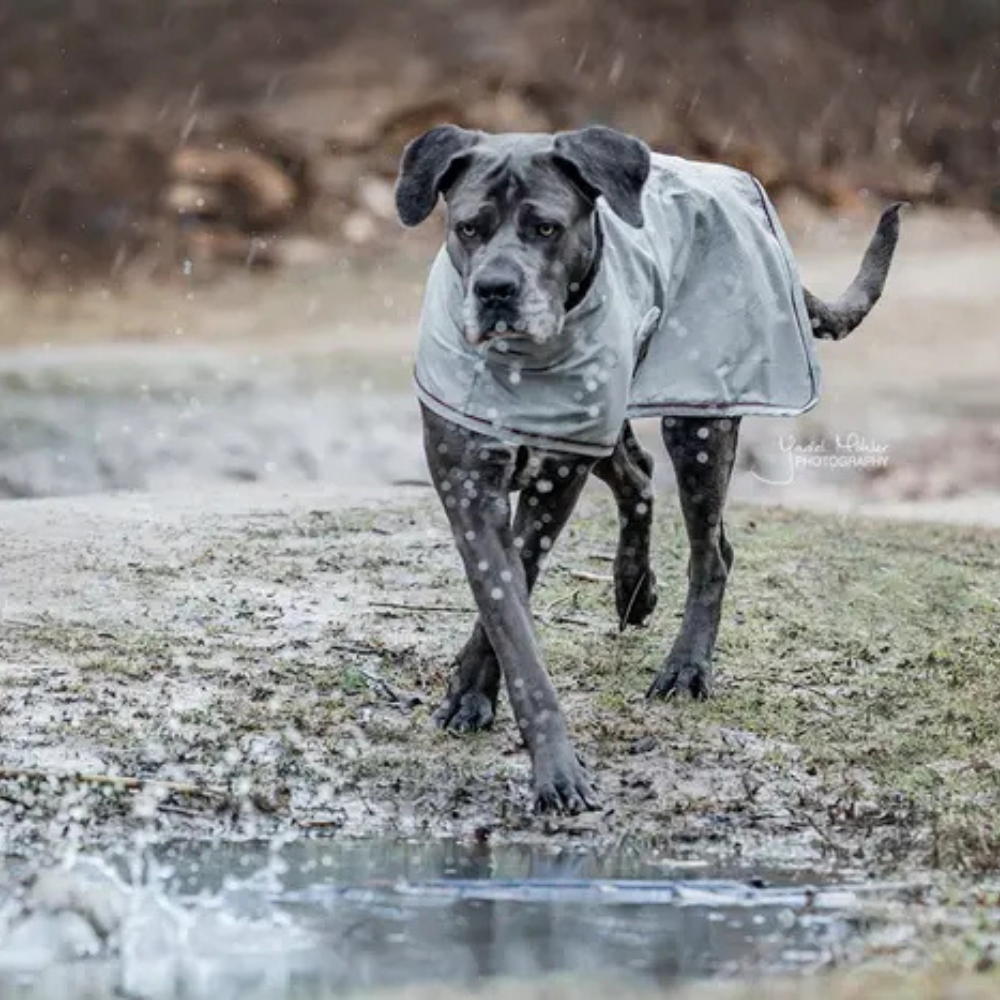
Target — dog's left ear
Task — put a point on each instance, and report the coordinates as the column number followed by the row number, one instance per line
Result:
column 429, row 166
column 607, row 162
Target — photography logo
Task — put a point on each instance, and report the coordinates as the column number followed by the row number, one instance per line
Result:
column 841, row 452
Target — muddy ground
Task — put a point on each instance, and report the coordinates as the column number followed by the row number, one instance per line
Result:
column 286, row 649
column 234, row 614
column 257, row 662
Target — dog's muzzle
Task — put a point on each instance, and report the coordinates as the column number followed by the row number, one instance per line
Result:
column 496, row 305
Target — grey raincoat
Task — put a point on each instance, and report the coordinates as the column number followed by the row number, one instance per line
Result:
column 699, row 313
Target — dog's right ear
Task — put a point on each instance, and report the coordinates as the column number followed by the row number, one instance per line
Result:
column 430, row 165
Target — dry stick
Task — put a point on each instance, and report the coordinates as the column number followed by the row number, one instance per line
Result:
column 547, row 619
column 347, row 647
column 622, row 625
column 565, row 599
column 780, row 682
column 581, row 574
column 178, row 811
column 21, row 623
column 387, row 689
column 113, row 780
column 454, row 609
column 824, row 836
column 402, row 606
column 635, row 593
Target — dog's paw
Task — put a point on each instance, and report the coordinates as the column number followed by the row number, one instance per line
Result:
column 468, row 712
column 682, row 677
column 635, row 597
column 561, row 783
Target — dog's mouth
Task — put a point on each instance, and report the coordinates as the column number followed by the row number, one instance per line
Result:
column 499, row 331
column 489, row 330
column 524, row 323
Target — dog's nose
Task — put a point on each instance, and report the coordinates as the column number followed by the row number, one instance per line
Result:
column 495, row 290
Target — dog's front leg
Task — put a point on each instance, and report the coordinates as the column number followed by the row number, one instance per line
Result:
column 473, row 479
column 496, row 576
column 543, row 510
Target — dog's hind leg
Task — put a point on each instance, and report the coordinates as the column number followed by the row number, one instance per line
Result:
column 471, row 700
column 703, row 452
column 628, row 473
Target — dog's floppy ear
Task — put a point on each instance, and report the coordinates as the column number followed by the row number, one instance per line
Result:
column 429, row 166
column 607, row 162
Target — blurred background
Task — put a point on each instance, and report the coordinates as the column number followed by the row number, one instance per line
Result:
column 202, row 279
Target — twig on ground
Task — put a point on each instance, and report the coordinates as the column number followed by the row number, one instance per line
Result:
column 570, row 598
column 546, row 619
column 824, row 836
column 403, row 700
column 178, row 811
column 402, row 606
column 347, row 647
column 20, row 623
column 319, row 824
column 623, row 623
column 114, row 781
column 580, row 574
column 781, row 682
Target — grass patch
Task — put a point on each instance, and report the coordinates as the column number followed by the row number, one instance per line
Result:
column 857, row 699
column 865, row 652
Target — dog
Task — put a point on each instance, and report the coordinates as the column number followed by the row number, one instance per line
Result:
column 545, row 312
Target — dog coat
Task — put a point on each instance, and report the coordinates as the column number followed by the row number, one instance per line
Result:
column 698, row 313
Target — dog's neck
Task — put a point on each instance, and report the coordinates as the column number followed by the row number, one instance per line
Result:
column 580, row 287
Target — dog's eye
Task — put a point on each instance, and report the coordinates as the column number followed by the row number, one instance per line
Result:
column 467, row 230
column 546, row 230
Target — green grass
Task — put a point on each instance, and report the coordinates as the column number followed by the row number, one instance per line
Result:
column 858, row 660
column 868, row 652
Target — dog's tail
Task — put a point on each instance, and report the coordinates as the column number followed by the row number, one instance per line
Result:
column 836, row 320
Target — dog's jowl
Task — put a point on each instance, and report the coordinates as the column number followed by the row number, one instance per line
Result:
column 585, row 282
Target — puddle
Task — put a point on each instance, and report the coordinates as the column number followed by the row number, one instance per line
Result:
column 147, row 418
column 311, row 919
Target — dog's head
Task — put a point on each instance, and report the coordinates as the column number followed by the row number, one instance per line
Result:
column 521, row 226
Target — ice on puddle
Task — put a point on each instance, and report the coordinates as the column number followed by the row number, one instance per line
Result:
column 43, row 939
column 152, row 945
column 87, row 888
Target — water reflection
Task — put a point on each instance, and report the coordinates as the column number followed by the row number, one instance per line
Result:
column 310, row 919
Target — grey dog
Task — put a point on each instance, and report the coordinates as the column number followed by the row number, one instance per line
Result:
column 524, row 238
